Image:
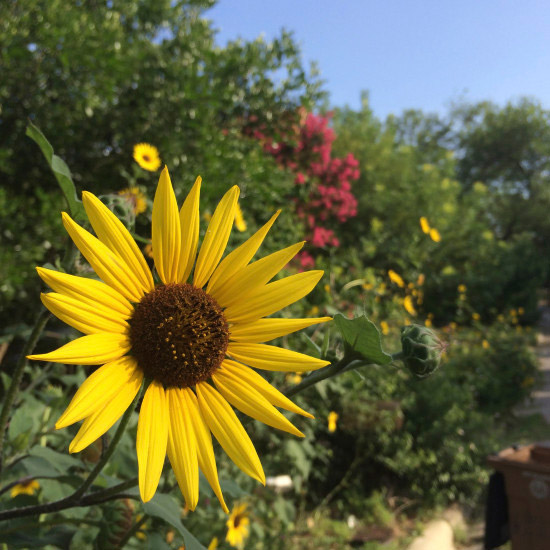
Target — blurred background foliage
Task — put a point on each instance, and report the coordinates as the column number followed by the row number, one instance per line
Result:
column 98, row 77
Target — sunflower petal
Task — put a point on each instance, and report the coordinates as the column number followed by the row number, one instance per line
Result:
column 83, row 316
column 228, row 430
column 245, row 398
column 264, row 330
column 273, row 297
column 166, row 231
column 216, row 237
column 89, row 291
column 189, row 222
column 205, row 451
column 103, row 418
column 262, row 356
column 93, row 349
column 260, row 384
column 256, row 275
column 98, row 389
column 238, row 259
column 109, row 267
column 111, row 232
column 152, row 439
column 182, row 447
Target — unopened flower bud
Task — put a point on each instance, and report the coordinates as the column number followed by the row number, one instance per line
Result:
column 422, row 349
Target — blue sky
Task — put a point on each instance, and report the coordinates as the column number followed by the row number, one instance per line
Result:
column 406, row 53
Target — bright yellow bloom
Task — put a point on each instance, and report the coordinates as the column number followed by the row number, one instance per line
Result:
column 485, row 344
column 147, row 156
column 136, row 199
column 385, row 327
column 461, row 288
column 396, row 278
column 425, row 226
column 237, row 526
column 293, row 378
column 26, row 488
column 476, row 316
column 179, row 333
column 240, row 224
column 213, row 544
column 428, row 323
column 332, row 419
column 434, row 235
column 421, row 279
column 408, row 305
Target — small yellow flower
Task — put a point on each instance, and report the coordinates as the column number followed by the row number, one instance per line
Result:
column 295, row 378
column 408, row 305
column 500, row 318
column 237, row 526
column 410, row 285
column 240, row 224
column 147, row 156
column 26, row 488
column 141, row 534
column 148, row 251
column 428, row 323
column 453, row 325
column 332, row 419
column 136, row 199
column 327, row 288
column 424, row 224
column 485, row 344
column 368, row 286
column 396, row 278
column 207, row 216
column 420, row 280
column 461, row 288
column 170, row 536
column 513, row 312
column 476, row 316
column 213, row 544
column 385, row 327
column 521, row 311
column 434, row 235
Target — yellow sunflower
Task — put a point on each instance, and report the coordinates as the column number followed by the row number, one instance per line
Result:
column 237, row 526
column 26, row 488
column 192, row 342
column 147, row 156
column 135, row 198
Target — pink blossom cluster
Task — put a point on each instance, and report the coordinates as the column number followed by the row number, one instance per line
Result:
column 307, row 151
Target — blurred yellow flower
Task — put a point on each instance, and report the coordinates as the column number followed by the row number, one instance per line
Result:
column 170, row 536
column 485, row 344
column 427, row 167
column 368, row 286
column 26, row 488
column 408, row 305
column 500, row 318
column 461, row 288
column 395, row 278
column 421, row 279
column 136, row 199
column 314, row 310
column 295, row 378
column 428, row 323
column 410, row 285
column 148, row 251
column 147, row 156
column 332, row 419
column 424, row 224
column 476, row 316
column 385, row 327
column 327, row 288
column 453, row 325
column 521, row 311
column 207, row 216
column 513, row 312
column 237, row 526
column 434, row 235
column 213, row 544
column 240, row 224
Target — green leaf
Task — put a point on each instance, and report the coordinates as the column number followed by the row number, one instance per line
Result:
column 61, row 172
column 156, row 542
column 60, row 461
column 166, row 508
column 362, row 337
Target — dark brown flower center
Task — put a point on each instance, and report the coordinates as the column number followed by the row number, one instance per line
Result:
column 146, row 158
column 179, row 335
